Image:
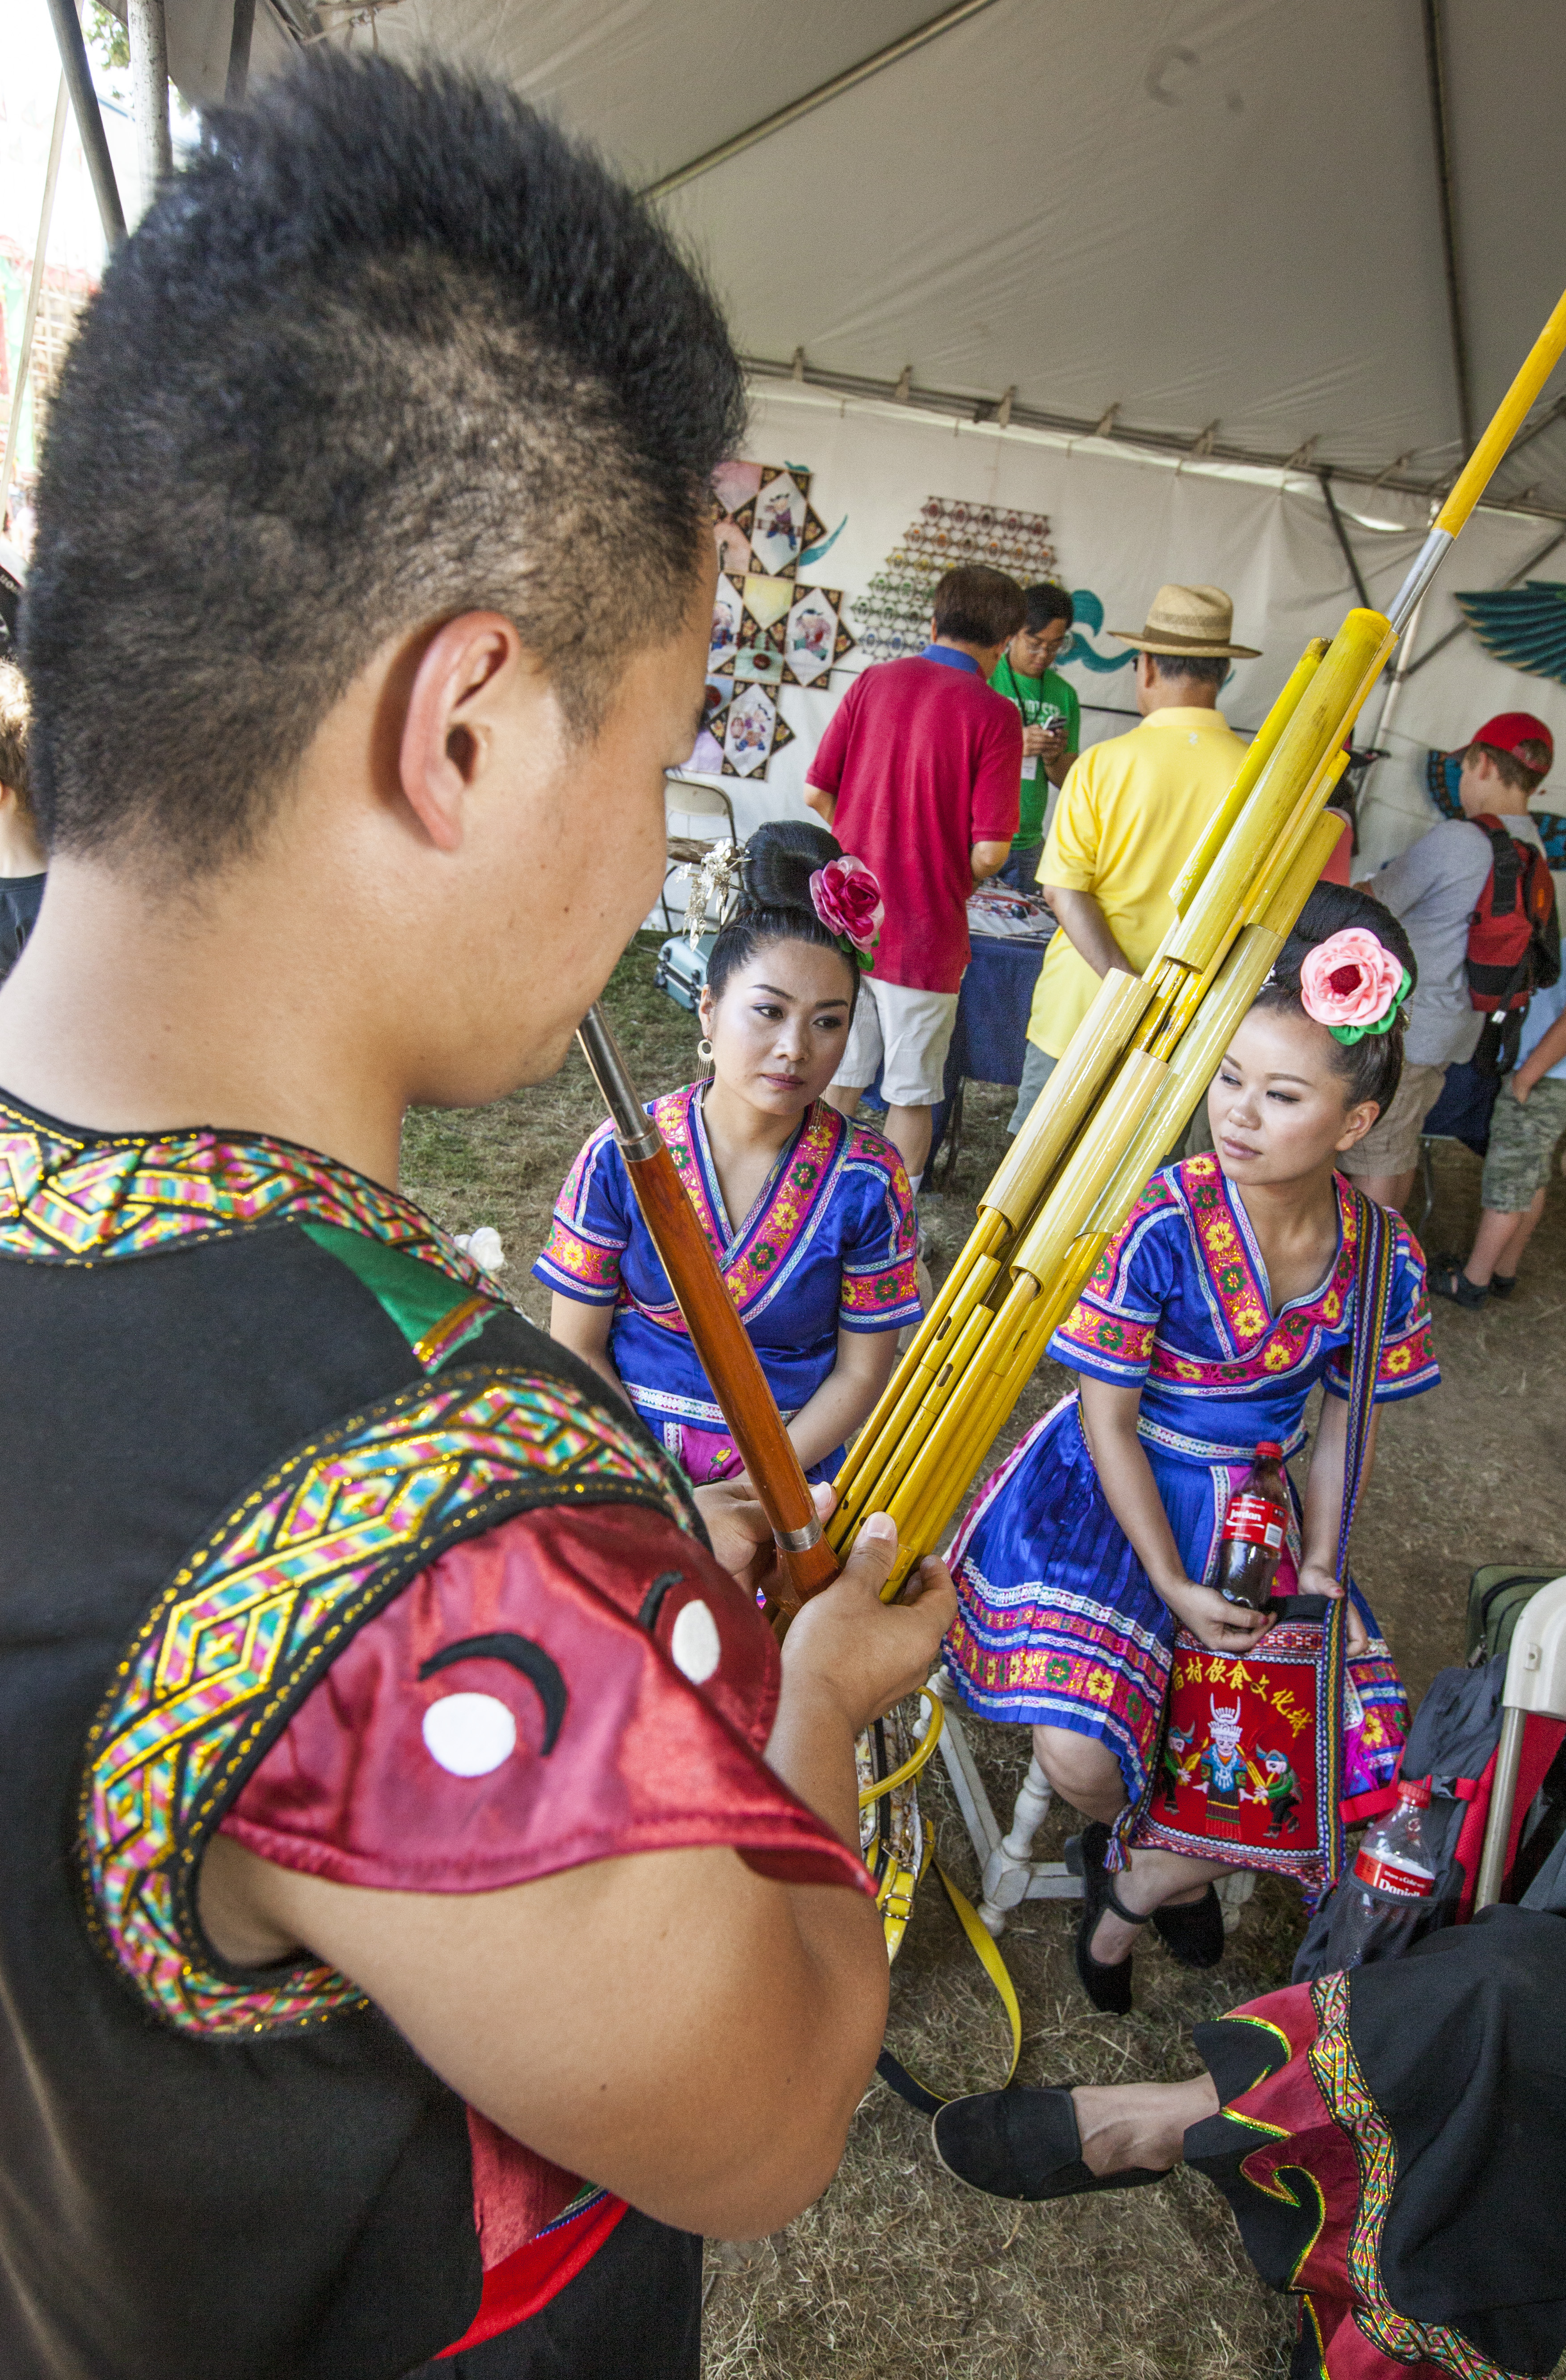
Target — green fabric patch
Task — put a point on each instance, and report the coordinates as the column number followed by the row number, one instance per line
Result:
column 412, row 1293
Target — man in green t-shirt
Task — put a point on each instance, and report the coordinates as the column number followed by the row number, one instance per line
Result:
column 1051, row 722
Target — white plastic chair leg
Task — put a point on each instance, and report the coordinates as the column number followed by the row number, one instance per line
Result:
column 1008, row 1872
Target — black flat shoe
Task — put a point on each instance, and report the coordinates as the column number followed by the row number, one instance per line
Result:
column 1021, row 2143
column 1192, row 1932
column 1109, row 1988
column 1502, row 1283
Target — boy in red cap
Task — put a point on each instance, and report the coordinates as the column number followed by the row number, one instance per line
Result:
column 1434, row 889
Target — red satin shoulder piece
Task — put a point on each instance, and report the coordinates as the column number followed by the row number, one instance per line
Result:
column 573, row 1685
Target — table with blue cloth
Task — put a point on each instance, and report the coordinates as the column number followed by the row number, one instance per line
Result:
column 989, row 1040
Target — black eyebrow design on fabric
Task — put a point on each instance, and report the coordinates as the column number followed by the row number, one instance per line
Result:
column 652, row 1601
column 538, row 1667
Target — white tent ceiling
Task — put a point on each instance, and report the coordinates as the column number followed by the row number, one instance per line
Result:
column 1218, row 222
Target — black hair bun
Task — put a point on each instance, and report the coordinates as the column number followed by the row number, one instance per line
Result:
column 1331, row 909
column 780, row 860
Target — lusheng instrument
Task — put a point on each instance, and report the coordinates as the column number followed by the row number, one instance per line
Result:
column 1117, row 1101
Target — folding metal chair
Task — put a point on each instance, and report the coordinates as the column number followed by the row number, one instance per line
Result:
column 1536, row 1688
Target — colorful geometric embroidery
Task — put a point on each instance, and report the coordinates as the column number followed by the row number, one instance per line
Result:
column 751, row 1255
column 1019, row 1658
column 1124, row 1339
column 1349, row 2102
column 254, row 1617
column 67, row 1201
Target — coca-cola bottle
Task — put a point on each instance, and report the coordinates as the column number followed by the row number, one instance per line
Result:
column 1391, row 1868
column 1251, row 1538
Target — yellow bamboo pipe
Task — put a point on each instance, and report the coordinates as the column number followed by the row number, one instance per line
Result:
column 1059, row 1218
column 1007, row 1207
column 1328, row 704
column 1082, row 1070
column 1508, row 419
column 1264, row 743
column 922, row 1357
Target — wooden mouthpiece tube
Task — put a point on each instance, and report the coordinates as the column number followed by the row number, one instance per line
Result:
column 806, row 1560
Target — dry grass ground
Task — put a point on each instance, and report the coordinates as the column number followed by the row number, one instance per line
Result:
column 898, row 2271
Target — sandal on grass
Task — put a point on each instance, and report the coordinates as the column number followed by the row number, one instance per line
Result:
column 1022, row 2143
column 1502, row 1283
column 1447, row 1279
column 1107, row 1987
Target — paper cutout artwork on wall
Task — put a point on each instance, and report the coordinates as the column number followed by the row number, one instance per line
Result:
column 1525, row 627
column 769, row 631
column 1089, row 614
column 894, row 612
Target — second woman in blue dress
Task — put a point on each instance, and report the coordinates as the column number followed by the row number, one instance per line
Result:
column 809, row 1214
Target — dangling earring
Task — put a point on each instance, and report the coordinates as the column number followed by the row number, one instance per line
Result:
column 704, row 1051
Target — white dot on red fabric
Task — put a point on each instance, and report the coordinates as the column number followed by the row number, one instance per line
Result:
column 470, row 1734
column 695, row 1645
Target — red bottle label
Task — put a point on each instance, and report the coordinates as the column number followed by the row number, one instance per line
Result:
column 1391, row 1875
column 1254, row 1521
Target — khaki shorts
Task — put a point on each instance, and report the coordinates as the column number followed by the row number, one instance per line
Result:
column 1523, row 1138
column 1391, row 1145
column 906, row 1034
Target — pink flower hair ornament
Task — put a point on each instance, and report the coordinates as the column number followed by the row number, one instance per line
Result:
column 1354, row 985
column 845, row 895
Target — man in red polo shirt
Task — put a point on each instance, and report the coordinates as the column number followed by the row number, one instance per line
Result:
column 917, row 776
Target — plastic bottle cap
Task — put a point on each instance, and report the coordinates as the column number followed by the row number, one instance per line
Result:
column 1415, row 1789
column 1267, row 1447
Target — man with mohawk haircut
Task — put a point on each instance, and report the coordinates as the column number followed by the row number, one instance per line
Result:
column 423, row 1890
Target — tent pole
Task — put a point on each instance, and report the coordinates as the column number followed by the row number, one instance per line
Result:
column 88, row 123
column 239, row 53
column 149, row 81
column 34, row 292
column 817, row 97
column 1341, row 534
column 1440, row 124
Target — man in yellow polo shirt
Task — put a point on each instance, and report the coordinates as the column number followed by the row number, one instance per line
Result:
column 1129, row 813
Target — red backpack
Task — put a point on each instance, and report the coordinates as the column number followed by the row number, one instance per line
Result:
column 1513, row 942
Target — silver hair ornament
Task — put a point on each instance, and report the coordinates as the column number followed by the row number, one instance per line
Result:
column 715, row 880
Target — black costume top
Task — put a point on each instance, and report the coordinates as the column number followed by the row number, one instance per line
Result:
column 250, row 1399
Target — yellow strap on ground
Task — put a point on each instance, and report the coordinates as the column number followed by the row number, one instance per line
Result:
column 989, row 1959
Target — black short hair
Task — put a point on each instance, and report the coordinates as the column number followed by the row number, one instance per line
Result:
column 775, row 904
column 1046, row 603
column 1371, row 1068
column 390, row 348
column 977, row 605
column 1207, row 669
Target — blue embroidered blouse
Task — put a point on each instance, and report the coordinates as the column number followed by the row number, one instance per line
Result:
column 1180, row 1306
column 829, row 1245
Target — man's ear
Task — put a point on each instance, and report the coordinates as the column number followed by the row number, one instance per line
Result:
column 448, row 725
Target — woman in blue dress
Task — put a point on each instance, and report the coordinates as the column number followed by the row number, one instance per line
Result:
column 1230, row 1292
column 809, row 1214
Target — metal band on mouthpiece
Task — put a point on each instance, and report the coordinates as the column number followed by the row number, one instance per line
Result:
column 636, row 1134
column 798, row 1541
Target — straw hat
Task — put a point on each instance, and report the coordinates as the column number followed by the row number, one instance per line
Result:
column 1195, row 620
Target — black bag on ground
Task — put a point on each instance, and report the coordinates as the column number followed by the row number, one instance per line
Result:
column 1453, row 1740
